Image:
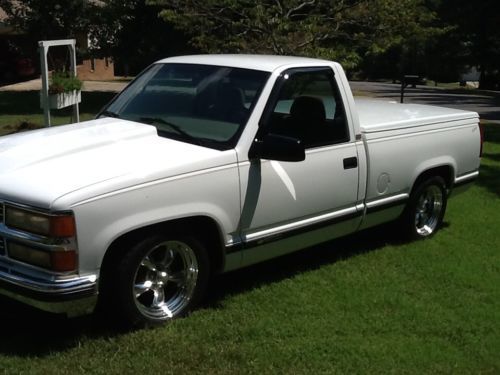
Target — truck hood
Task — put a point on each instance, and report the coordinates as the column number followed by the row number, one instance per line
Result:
column 93, row 158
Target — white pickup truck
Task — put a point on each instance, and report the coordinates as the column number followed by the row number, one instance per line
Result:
column 206, row 164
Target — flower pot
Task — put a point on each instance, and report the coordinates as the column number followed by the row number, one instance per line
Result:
column 65, row 99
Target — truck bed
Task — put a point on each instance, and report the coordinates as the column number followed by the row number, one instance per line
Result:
column 379, row 115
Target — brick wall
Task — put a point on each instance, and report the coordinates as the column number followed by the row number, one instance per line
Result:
column 96, row 70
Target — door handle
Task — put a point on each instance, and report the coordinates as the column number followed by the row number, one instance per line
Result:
column 350, row 163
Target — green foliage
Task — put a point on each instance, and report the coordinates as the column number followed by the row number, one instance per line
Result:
column 343, row 30
column 49, row 19
column 132, row 32
column 439, row 39
column 462, row 34
column 474, row 39
column 128, row 30
column 63, row 82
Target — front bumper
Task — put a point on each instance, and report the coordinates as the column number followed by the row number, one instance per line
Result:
column 72, row 296
column 65, row 293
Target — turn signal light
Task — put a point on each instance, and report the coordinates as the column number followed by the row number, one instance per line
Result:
column 62, row 226
column 63, row 261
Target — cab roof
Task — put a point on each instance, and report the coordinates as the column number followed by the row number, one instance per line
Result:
column 268, row 63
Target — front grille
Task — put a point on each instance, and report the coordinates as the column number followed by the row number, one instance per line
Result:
column 2, row 240
column 2, row 246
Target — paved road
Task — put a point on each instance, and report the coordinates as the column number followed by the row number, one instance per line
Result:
column 487, row 104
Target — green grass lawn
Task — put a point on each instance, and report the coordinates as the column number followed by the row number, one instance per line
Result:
column 362, row 304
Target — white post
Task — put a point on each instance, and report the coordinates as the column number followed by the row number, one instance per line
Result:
column 44, row 95
column 44, row 46
column 72, row 51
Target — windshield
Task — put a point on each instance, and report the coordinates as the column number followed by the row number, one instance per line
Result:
column 201, row 104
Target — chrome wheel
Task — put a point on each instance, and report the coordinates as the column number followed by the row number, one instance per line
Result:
column 165, row 280
column 428, row 210
column 425, row 210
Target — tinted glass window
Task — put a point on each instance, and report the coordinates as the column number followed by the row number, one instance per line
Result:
column 202, row 104
column 309, row 107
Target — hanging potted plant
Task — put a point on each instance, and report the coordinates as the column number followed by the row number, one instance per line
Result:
column 64, row 90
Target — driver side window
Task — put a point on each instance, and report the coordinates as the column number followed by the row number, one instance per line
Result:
column 309, row 108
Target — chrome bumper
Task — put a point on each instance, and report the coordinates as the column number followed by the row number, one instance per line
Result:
column 68, row 294
column 73, row 297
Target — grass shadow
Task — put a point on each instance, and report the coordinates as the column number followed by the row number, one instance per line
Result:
column 489, row 172
column 491, row 133
column 16, row 102
column 489, row 177
column 493, row 157
column 30, row 332
column 92, row 102
column 28, row 103
column 303, row 261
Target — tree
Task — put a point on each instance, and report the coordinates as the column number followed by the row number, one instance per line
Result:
column 474, row 35
column 343, row 30
column 132, row 32
column 48, row 19
column 37, row 20
column 128, row 30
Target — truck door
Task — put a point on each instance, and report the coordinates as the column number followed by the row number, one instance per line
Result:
column 307, row 201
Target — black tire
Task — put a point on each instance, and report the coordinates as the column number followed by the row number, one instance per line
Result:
column 425, row 210
column 158, row 279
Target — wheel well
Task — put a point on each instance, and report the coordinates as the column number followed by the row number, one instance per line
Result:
column 444, row 171
column 203, row 228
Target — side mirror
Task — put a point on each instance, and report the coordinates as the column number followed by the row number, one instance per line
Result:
column 277, row 147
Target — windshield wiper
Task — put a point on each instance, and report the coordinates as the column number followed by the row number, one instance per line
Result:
column 109, row 114
column 177, row 129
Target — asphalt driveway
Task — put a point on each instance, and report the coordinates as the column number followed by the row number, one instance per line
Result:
column 486, row 103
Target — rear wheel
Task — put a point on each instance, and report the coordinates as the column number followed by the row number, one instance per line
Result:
column 159, row 278
column 424, row 213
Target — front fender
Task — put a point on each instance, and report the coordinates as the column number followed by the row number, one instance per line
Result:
column 102, row 220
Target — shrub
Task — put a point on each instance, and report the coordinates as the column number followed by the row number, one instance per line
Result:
column 63, row 82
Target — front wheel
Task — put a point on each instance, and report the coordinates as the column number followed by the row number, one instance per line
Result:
column 159, row 278
column 424, row 213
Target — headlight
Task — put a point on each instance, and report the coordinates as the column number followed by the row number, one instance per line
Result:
column 59, row 261
column 57, row 251
column 43, row 224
